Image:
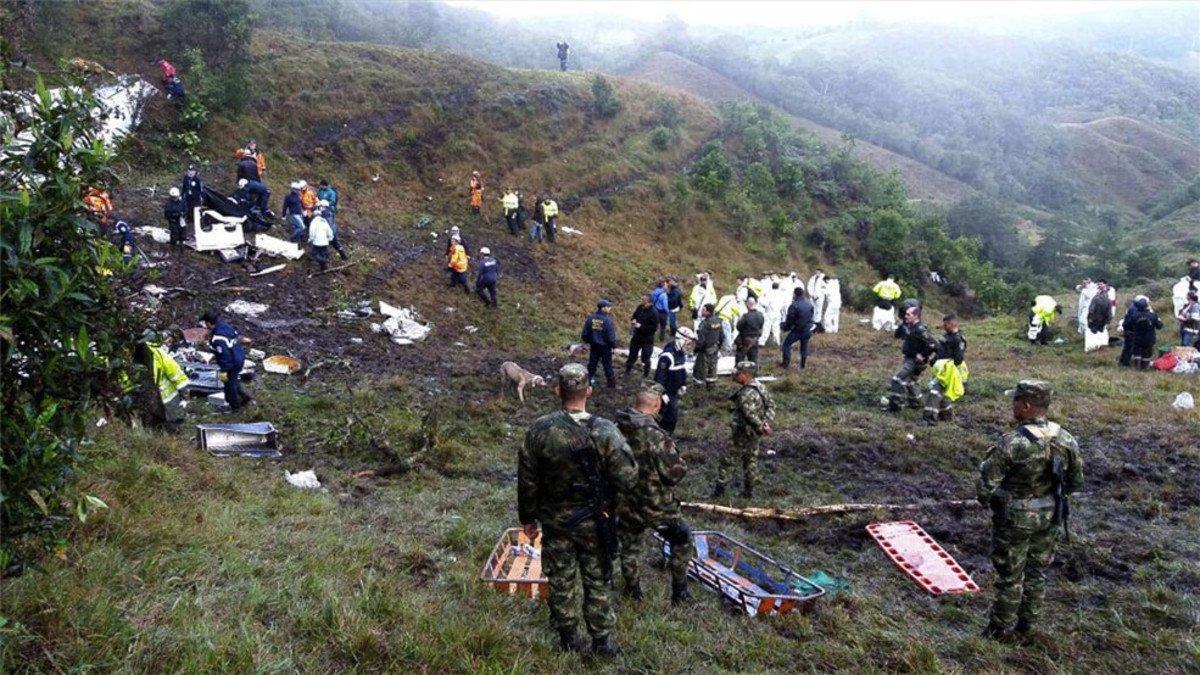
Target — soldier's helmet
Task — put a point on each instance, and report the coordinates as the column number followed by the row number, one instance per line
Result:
column 1037, row 392
column 573, row 377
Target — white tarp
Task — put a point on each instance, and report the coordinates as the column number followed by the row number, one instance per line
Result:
column 158, row 234
column 883, row 319
column 1093, row 341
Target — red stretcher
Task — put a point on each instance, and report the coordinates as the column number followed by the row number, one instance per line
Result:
column 515, row 565
column 919, row 556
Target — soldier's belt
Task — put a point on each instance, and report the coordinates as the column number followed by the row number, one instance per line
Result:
column 1046, row 502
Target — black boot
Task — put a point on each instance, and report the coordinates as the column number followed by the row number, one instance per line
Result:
column 679, row 594
column 571, row 642
column 604, row 647
column 634, row 591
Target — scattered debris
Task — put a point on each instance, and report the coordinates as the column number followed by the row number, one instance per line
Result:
column 274, row 246
column 282, row 365
column 224, row 233
column 246, row 308
column 160, row 235
column 222, row 280
column 257, row 354
column 331, row 270
column 1184, row 401
column 755, row 582
column 270, row 270
column 471, row 329
column 920, row 557
column 1059, row 341
column 801, row 514
column 569, row 230
column 256, row 439
column 160, row 293
column 356, row 340
column 103, row 421
column 403, row 324
column 275, row 324
column 305, row 480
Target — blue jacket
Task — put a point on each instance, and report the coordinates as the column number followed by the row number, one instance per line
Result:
column 1141, row 325
column 487, row 271
column 800, row 317
column 292, row 205
column 598, row 330
column 658, row 297
column 671, row 371
column 330, row 195
column 230, row 355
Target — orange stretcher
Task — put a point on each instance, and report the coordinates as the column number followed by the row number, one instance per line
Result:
column 919, row 556
column 512, row 568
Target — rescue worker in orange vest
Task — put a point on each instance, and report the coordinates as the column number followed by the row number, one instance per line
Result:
column 476, row 193
column 98, row 202
column 251, row 150
column 457, row 261
column 308, row 200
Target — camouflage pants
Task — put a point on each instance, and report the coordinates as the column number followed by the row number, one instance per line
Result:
column 936, row 404
column 569, row 558
column 904, row 384
column 633, row 549
column 1021, row 555
column 745, row 448
column 705, row 369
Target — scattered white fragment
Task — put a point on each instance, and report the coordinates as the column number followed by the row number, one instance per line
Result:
column 471, row 329
column 460, row 344
column 160, row 235
column 569, row 230
column 102, row 421
column 246, row 308
column 911, row 437
column 356, row 340
column 449, row 310
column 257, row 354
column 1184, row 401
column 276, row 247
column 403, row 324
column 1059, row 341
column 770, row 453
column 306, row 480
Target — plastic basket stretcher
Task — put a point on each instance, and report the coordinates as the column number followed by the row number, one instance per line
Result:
column 512, row 571
column 920, row 556
column 753, row 581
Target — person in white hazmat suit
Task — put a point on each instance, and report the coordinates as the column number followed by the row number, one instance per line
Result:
column 1087, row 291
column 773, row 306
column 816, row 293
column 831, row 318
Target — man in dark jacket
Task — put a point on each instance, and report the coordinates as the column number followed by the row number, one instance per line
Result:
column 749, row 330
column 247, row 168
column 1100, row 309
column 1141, row 325
column 709, row 338
column 174, row 212
column 674, row 303
column 293, row 212
column 643, row 324
column 487, row 275
column 600, row 335
column 254, row 196
column 918, row 347
column 671, row 374
column 191, row 189
column 799, row 324
column 230, row 358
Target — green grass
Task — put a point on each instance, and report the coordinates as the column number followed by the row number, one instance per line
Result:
column 209, row 564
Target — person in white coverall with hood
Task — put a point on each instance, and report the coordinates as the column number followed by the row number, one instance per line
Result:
column 831, row 318
column 773, row 306
column 816, row 293
column 1087, row 291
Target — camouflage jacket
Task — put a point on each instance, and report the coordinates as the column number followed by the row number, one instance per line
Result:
column 752, row 408
column 550, row 478
column 1020, row 469
column 660, row 469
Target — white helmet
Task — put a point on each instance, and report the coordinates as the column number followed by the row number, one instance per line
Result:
column 302, row 183
column 174, row 192
column 485, row 251
column 242, row 182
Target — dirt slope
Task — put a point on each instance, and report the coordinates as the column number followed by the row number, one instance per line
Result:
column 675, row 71
column 1127, row 162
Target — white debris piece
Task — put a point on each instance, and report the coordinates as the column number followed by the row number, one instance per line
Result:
column 275, row 246
column 306, row 480
column 471, row 329
column 257, row 354
column 246, row 308
column 403, row 324
column 160, row 235
column 1184, row 401
column 569, row 230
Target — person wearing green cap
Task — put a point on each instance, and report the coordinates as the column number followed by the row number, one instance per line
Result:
column 653, row 503
column 1025, row 480
column 573, row 472
column 753, row 412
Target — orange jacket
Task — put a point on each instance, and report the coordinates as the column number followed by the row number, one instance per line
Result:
column 458, row 258
column 259, row 158
column 97, row 201
column 308, row 198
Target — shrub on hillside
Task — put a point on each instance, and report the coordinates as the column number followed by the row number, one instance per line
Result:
column 65, row 338
column 605, row 104
column 662, row 138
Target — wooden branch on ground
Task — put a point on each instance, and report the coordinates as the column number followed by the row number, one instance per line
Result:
column 333, row 269
column 756, row 512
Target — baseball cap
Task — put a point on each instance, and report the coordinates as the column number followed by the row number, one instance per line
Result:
column 602, row 303
column 485, row 250
column 573, row 377
column 1035, row 391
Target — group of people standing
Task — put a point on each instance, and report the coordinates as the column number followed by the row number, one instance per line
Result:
column 541, row 219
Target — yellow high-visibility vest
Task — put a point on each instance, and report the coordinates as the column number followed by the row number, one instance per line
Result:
column 168, row 376
column 887, row 289
column 728, row 308
column 550, row 208
column 510, row 201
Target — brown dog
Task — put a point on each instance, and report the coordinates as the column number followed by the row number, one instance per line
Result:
column 511, row 373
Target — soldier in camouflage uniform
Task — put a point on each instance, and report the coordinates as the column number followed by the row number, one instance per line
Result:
column 753, row 412
column 918, row 346
column 653, row 503
column 1025, row 480
column 565, row 455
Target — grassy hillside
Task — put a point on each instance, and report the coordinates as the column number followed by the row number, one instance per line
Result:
column 219, row 565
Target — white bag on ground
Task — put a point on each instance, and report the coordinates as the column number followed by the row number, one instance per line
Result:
column 1184, row 401
column 1093, row 341
column 303, row 479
